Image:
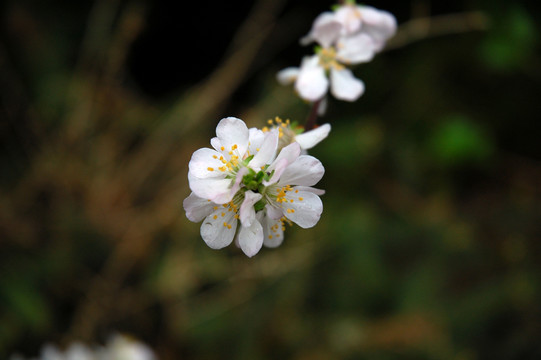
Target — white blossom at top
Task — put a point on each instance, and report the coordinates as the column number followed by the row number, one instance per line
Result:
column 349, row 35
column 268, row 194
column 357, row 31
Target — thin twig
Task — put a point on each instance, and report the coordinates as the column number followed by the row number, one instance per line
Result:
column 311, row 121
column 429, row 27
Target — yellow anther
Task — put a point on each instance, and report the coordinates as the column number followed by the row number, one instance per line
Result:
column 210, row 169
column 225, row 224
column 265, row 129
column 270, row 236
column 221, row 168
column 234, row 147
column 222, row 148
column 223, row 214
column 216, row 208
column 301, row 199
column 291, row 200
column 215, row 217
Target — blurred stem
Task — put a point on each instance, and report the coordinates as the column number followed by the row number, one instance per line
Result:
column 311, row 122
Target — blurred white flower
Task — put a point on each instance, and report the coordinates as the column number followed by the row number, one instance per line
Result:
column 357, row 31
column 349, row 35
column 119, row 347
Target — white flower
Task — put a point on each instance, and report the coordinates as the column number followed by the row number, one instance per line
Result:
column 124, row 348
column 119, row 347
column 378, row 25
column 215, row 173
column 268, row 195
column 311, row 80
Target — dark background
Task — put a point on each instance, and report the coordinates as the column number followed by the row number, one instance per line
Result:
column 429, row 244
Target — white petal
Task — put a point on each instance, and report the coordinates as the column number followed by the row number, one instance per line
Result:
column 306, row 170
column 345, row 86
column 312, row 83
column 238, row 178
column 213, row 231
column 309, row 139
column 322, row 108
column 216, row 144
column 288, row 75
column 256, row 138
column 247, row 212
column 310, row 189
column 278, row 167
column 78, row 351
column 274, row 212
column 273, row 235
column 51, row 352
column 287, row 156
column 251, row 238
column 205, row 163
column 197, row 208
column 325, row 30
column 266, row 152
column 350, row 18
column 378, row 24
column 356, row 49
column 217, row 190
column 305, row 212
column 232, row 131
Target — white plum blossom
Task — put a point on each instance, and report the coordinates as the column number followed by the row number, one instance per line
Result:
column 270, row 190
column 349, row 35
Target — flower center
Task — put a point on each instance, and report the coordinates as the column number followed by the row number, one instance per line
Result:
column 327, row 59
column 286, row 133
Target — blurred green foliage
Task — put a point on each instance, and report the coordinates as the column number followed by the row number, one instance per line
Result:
column 428, row 247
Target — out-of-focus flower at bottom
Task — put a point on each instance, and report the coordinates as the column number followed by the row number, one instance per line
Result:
column 119, row 347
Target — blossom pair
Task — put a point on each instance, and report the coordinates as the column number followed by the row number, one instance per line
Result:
column 250, row 185
column 351, row 34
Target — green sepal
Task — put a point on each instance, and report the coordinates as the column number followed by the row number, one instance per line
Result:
column 260, row 205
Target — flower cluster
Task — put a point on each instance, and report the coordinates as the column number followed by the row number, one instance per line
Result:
column 253, row 182
column 349, row 35
column 118, row 348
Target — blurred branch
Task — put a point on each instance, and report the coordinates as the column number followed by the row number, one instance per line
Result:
column 134, row 227
column 434, row 26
